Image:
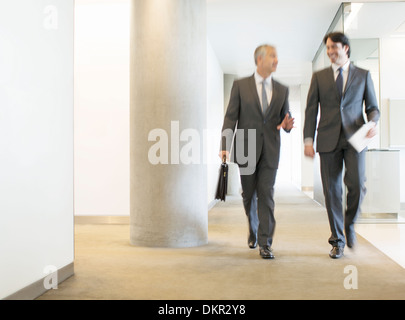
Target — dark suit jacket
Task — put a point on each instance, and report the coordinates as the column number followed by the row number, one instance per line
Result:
column 245, row 112
column 358, row 96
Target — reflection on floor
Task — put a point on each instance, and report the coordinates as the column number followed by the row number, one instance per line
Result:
column 386, row 233
column 387, row 237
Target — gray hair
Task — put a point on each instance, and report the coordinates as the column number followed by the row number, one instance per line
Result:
column 262, row 50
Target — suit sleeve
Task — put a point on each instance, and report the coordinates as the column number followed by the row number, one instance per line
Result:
column 231, row 118
column 370, row 100
column 311, row 111
column 286, row 109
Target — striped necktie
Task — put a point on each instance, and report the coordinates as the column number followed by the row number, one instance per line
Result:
column 265, row 103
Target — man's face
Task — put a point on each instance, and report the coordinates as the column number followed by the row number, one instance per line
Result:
column 337, row 52
column 269, row 62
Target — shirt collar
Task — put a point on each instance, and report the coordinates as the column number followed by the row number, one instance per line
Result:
column 345, row 67
column 259, row 79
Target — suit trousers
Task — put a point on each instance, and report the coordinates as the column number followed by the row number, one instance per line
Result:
column 354, row 179
column 258, row 201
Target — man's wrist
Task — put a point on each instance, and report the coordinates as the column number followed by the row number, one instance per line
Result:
column 308, row 142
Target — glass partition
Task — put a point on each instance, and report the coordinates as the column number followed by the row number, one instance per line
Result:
column 321, row 59
column 377, row 30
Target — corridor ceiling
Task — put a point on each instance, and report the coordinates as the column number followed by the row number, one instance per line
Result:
column 295, row 27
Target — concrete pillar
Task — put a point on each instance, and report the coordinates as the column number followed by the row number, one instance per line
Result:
column 167, row 117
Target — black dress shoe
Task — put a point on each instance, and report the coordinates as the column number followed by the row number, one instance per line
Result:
column 336, row 253
column 265, row 252
column 351, row 240
column 252, row 244
column 252, row 241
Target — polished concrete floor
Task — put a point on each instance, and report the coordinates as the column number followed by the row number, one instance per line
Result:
column 108, row 267
column 388, row 237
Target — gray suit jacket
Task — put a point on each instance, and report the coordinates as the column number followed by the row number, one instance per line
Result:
column 245, row 112
column 359, row 95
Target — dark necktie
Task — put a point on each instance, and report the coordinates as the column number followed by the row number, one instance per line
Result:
column 265, row 103
column 339, row 82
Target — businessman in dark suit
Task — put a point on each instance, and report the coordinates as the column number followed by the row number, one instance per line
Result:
column 342, row 93
column 257, row 110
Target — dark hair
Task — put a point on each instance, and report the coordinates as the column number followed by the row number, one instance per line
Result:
column 338, row 37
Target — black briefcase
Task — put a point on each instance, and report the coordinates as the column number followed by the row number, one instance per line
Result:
column 222, row 181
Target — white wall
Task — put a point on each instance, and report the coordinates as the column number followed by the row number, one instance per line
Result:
column 36, row 140
column 307, row 164
column 101, row 107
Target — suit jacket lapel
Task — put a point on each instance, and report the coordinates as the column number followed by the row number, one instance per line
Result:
column 331, row 77
column 273, row 98
column 253, row 89
column 352, row 72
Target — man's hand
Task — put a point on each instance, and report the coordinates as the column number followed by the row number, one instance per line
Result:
column 309, row 151
column 287, row 124
column 224, row 153
column 373, row 131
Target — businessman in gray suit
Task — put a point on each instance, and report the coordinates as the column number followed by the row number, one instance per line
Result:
column 257, row 110
column 342, row 93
